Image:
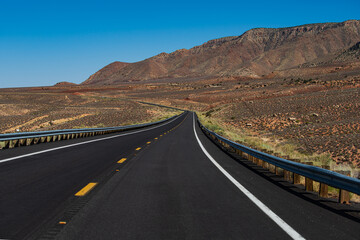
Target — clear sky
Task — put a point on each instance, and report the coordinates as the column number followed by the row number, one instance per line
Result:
column 48, row 41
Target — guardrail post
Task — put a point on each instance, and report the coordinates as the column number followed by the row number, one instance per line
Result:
column 296, row 177
column 323, row 189
column 344, row 196
column 13, row 143
column 22, row 142
column 309, row 186
column 279, row 171
column 271, row 167
column 29, row 141
column 4, row 144
column 287, row 175
column 264, row 164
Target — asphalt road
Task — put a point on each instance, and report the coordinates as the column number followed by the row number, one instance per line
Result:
column 174, row 184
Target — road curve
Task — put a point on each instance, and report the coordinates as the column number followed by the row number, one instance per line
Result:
column 171, row 182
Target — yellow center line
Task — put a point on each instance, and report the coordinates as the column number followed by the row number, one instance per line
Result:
column 85, row 190
column 155, row 138
column 122, row 160
column 62, row 222
column 148, row 142
column 160, row 135
column 138, row 149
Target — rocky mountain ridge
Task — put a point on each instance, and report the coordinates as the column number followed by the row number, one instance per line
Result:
column 255, row 53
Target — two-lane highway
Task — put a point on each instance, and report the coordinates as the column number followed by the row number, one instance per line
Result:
column 178, row 185
column 37, row 181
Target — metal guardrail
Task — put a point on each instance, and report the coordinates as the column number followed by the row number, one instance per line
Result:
column 11, row 140
column 318, row 174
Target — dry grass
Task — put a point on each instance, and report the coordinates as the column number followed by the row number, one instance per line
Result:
column 280, row 148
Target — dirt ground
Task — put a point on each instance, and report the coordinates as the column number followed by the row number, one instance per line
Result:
column 35, row 110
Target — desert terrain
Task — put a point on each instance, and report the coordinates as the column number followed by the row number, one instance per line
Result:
column 293, row 91
column 295, row 116
column 40, row 109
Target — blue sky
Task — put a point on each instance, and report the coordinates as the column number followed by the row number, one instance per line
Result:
column 45, row 42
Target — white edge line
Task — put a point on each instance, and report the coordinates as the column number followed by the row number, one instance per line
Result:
column 281, row 223
column 81, row 143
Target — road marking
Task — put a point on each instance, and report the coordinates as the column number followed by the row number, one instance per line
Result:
column 122, row 160
column 138, row 149
column 155, row 138
column 81, row 143
column 160, row 135
column 86, row 189
column 62, row 222
column 148, row 142
column 281, row 223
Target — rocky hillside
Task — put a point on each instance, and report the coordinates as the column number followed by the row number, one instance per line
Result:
column 351, row 54
column 255, row 53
